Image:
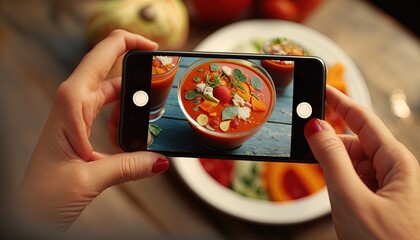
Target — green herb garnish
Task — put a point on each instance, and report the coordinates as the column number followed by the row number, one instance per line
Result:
column 213, row 83
column 191, row 95
column 196, row 79
column 256, row 83
column 155, row 129
column 214, row 67
column 239, row 75
column 229, row 112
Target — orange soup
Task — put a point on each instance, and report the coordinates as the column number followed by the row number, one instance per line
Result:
column 164, row 69
column 281, row 71
column 226, row 97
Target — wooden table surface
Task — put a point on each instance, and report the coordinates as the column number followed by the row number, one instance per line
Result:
column 42, row 41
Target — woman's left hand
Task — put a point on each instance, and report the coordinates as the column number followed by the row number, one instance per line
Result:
column 65, row 173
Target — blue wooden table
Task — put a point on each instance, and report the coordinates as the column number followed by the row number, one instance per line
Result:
column 273, row 139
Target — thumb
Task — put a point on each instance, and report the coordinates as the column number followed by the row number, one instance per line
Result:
column 124, row 167
column 333, row 157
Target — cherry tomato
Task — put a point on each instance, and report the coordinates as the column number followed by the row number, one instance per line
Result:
column 219, row 170
column 234, row 123
column 214, row 123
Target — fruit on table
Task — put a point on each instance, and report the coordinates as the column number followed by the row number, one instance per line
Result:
column 163, row 21
column 292, row 10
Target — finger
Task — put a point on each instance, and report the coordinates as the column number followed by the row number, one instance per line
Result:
column 95, row 66
column 111, row 90
column 353, row 146
column 331, row 153
column 376, row 140
column 124, row 167
column 371, row 131
column 361, row 163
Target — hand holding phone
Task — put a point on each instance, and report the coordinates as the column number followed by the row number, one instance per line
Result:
column 224, row 105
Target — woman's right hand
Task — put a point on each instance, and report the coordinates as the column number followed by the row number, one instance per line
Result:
column 373, row 180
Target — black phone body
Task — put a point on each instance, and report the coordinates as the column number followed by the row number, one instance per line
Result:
column 188, row 128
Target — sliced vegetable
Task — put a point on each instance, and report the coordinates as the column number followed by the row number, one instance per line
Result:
column 243, row 91
column 207, row 106
column 224, row 126
column 202, row 119
column 257, row 105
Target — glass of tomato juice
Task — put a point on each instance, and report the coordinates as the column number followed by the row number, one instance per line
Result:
column 164, row 69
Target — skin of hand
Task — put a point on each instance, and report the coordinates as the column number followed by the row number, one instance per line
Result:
column 373, row 180
column 65, row 174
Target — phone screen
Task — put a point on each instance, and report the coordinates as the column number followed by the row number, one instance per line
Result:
column 235, row 107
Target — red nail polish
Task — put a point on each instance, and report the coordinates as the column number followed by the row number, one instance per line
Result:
column 160, row 165
column 312, row 127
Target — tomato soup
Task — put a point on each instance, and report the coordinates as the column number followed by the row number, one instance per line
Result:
column 281, row 71
column 164, row 69
column 226, row 101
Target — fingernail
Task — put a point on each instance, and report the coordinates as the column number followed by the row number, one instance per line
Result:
column 160, row 165
column 312, row 127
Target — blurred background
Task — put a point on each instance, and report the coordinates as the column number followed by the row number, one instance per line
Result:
column 42, row 41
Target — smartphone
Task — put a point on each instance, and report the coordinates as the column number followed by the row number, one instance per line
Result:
column 220, row 105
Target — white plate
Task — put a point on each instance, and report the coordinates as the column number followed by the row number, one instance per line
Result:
column 226, row 40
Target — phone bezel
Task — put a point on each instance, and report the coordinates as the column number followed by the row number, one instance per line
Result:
column 134, row 121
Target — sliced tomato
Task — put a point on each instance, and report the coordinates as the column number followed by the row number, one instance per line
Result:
column 219, row 170
column 289, row 181
column 293, row 185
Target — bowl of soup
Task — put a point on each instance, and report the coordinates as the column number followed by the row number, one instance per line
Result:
column 226, row 101
column 281, row 71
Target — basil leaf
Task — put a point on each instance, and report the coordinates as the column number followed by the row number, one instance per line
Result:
column 196, row 79
column 214, row 67
column 239, row 75
column 200, row 70
column 191, row 95
column 256, row 83
column 155, row 130
column 229, row 112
